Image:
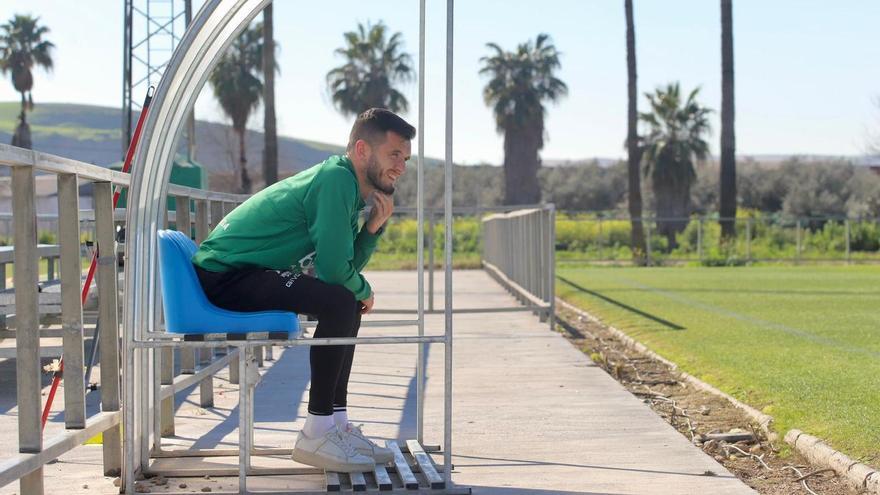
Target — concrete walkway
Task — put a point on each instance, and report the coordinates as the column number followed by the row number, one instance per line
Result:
column 532, row 414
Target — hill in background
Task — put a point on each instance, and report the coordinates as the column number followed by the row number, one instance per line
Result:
column 92, row 134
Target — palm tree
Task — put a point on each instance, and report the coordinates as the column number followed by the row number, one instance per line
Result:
column 727, row 181
column 632, row 142
column 270, row 131
column 238, row 88
column 520, row 81
column 374, row 64
column 674, row 142
column 22, row 48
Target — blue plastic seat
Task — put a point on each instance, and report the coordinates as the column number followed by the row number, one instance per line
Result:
column 187, row 309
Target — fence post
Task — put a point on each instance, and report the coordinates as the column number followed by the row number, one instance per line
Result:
column 108, row 314
column 749, row 240
column 217, row 209
column 71, row 302
column 552, row 266
column 182, row 223
column 204, row 354
column 700, row 239
column 798, row 240
column 848, row 240
column 27, row 328
column 648, row 243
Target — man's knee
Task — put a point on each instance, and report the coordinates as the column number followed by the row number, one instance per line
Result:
column 340, row 301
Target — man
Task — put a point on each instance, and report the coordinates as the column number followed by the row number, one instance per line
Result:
column 255, row 260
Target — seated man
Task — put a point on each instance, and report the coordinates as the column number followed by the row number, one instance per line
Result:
column 255, row 260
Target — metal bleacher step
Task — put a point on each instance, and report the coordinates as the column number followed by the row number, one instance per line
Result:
column 412, row 471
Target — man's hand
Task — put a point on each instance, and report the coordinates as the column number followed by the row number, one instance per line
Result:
column 383, row 207
column 367, row 305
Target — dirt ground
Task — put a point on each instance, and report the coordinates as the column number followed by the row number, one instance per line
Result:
column 696, row 414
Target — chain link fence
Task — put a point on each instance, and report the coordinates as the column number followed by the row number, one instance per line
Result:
column 591, row 238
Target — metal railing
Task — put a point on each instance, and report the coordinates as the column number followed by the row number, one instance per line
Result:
column 518, row 251
column 196, row 367
column 431, row 220
column 591, row 238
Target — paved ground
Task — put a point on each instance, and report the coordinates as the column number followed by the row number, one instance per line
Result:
column 531, row 414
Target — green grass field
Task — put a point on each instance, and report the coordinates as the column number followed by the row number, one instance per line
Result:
column 799, row 343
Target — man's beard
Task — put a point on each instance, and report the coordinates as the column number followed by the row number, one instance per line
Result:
column 374, row 175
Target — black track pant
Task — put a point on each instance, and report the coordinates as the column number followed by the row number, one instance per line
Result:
column 337, row 310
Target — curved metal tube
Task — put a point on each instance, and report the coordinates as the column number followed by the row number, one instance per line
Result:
column 211, row 32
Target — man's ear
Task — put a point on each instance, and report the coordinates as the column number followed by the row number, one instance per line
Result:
column 362, row 149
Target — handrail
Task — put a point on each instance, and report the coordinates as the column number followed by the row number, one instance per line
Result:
column 518, row 252
column 18, row 157
column 24, row 254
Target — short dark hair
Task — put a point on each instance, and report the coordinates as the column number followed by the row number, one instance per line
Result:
column 372, row 124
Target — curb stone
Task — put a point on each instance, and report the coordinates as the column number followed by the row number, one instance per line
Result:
column 859, row 475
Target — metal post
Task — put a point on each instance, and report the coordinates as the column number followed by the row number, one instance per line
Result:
column 431, row 259
column 27, row 331
column 798, row 238
column 71, row 301
column 107, row 313
column 244, row 420
column 3, row 286
column 749, row 240
column 700, row 239
column 447, row 381
column 420, row 242
column 848, row 240
column 552, row 275
column 648, row 243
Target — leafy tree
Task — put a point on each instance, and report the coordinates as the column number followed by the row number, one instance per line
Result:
column 519, row 83
column 237, row 86
column 22, row 48
column 374, row 65
column 587, row 187
column 673, row 144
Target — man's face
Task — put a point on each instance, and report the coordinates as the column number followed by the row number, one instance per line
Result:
column 387, row 162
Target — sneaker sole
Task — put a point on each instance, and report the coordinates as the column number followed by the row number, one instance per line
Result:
column 315, row 460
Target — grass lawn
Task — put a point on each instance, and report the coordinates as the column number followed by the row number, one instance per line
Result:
column 800, row 343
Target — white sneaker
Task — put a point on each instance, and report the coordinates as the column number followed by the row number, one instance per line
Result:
column 331, row 452
column 365, row 446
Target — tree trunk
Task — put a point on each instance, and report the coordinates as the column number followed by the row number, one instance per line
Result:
column 521, row 165
column 673, row 205
column 270, row 132
column 634, row 155
column 245, row 186
column 727, row 208
column 22, row 135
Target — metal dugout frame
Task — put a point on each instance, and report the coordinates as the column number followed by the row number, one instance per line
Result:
column 212, row 30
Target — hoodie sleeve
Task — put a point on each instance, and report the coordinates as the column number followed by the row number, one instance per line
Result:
column 329, row 206
column 364, row 245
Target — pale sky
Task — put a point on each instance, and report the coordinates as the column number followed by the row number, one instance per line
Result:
column 806, row 70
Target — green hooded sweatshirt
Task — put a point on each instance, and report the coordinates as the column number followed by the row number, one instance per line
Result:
column 310, row 219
